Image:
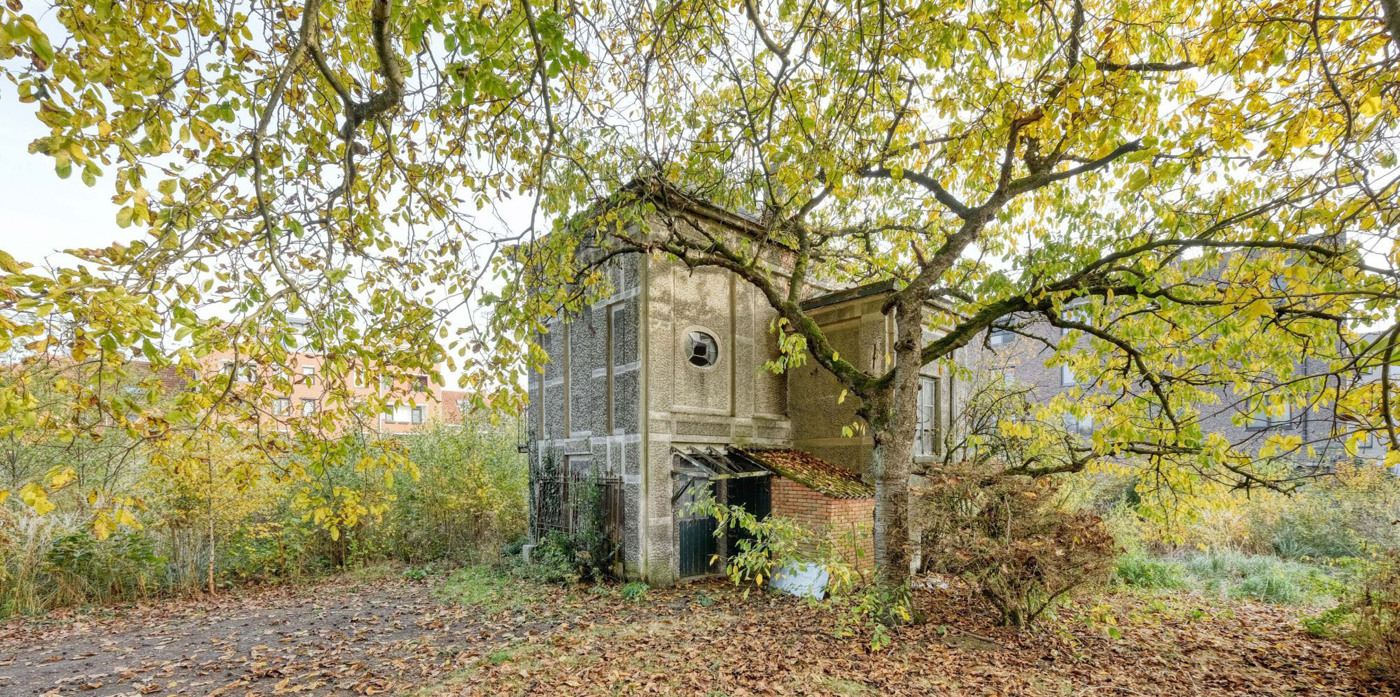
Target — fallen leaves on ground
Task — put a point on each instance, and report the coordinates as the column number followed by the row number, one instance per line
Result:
column 1180, row 645
column 394, row 637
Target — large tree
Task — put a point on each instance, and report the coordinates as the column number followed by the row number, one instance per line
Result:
column 300, row 176
column 1090, row 165
column 1008, row 159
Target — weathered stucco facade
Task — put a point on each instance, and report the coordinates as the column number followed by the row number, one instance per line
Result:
column 621, row 396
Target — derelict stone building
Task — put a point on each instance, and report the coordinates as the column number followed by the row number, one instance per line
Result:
column 659, row 393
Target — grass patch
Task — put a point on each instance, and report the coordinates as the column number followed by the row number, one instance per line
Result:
column 1232, row 576
column 491, row 589
column 1142, row 571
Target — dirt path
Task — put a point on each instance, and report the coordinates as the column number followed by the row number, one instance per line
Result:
column 337, row 637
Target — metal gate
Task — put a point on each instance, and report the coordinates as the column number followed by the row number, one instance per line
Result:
column 571, row 503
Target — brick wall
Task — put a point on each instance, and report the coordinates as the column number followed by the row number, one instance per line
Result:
column 837, row 520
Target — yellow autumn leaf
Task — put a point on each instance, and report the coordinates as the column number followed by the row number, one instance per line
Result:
column 1372, row 106
column 100, row 530
column 124, row 517
column 1255, row 310
column 62, row 478
column 36, row 498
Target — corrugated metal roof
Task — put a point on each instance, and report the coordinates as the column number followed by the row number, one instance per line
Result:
column 810, row 471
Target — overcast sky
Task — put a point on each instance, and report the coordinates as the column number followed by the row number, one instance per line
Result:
column 43, row 213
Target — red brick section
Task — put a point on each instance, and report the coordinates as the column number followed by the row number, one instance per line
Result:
column 844, row 522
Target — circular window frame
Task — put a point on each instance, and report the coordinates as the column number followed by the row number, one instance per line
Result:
column 687, row 348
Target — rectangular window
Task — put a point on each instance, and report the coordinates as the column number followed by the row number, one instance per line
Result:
column 281, row 406
column 308, row 376
column 1000, row 337
column 405, row 414
column 1067, row 375
column 226, row 367
column 1081, row 425
column 308, row 407
column 926, row 426
column 1264, row 418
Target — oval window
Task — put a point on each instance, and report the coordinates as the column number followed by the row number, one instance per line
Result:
column 701, row 349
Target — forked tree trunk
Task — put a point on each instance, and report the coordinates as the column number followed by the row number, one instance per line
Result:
column 893, row 420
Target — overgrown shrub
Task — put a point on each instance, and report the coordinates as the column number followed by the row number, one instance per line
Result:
column 1006, row 537
column 198, row 505
column 554, row 560
column 596, row 554
column 469, row 500
column 122, row 566
column 1346, row 514
column 1377, row 621
column 769, row 544
column 766, row 545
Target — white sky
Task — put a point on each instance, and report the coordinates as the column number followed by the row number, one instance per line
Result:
column 41, row 212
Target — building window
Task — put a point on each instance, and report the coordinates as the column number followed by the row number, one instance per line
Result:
column 308, row 407
column 404, row 414
column 926, row 425
column 281, row 406
column 226, row 367
column 701, row 349
column 308, row 376
column 1081, row 425
column 1067, row 375
column 1000, row 337
column 1263, row 418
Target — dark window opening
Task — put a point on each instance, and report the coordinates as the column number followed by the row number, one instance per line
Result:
column 701, row 349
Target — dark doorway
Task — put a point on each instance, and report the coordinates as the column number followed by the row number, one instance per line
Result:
column 696, row 531
column 704, row 473
column 753, row 493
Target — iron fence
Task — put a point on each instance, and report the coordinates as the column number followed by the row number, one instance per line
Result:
column 570, row 503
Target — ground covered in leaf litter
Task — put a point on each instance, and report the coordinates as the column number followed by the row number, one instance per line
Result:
column 482, row 633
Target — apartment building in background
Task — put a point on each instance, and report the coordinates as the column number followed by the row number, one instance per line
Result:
column 416, row 400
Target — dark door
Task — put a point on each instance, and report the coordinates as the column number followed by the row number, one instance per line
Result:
column 754, row 494
column 696, row 531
